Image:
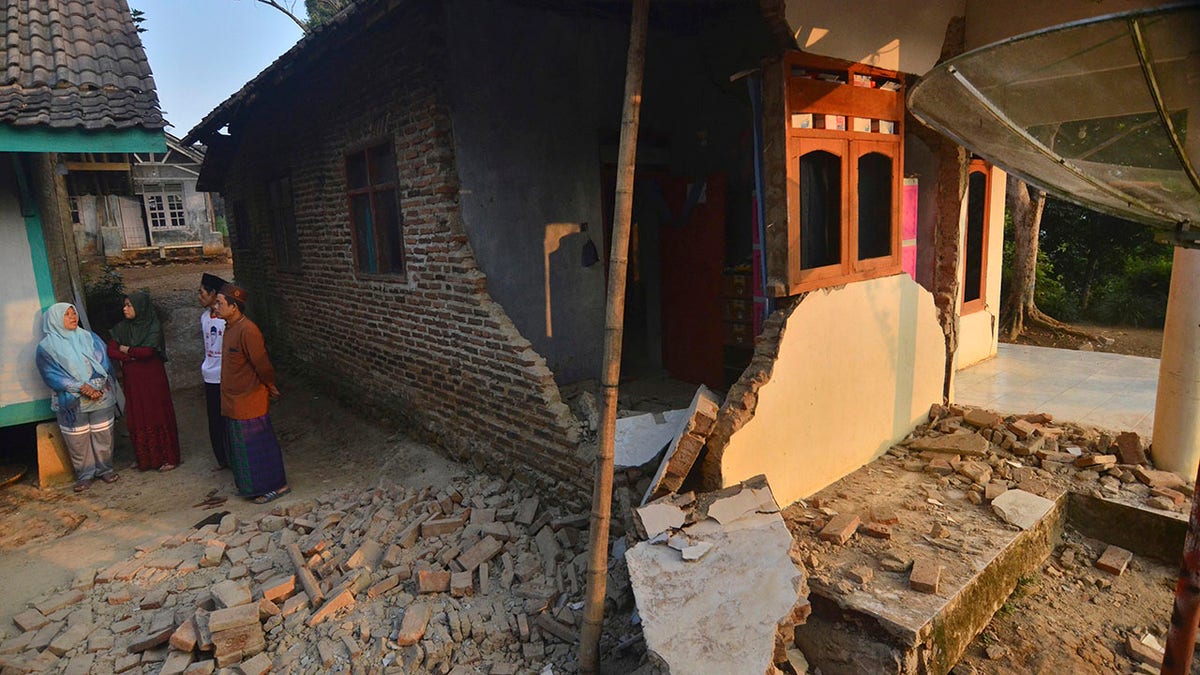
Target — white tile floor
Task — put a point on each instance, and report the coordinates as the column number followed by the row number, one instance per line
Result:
column 1112, row 391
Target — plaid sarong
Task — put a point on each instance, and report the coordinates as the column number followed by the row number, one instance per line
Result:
column 254, row 456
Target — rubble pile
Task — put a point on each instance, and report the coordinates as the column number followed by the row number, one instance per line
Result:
column 718, row 589
column 984, row 453
column 472, row 578
column 905, row 534
column 1014, row 466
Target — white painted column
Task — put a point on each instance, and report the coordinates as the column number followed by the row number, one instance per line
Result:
column 1177, row 407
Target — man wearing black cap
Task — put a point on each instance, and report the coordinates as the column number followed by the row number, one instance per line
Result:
column 213, row 329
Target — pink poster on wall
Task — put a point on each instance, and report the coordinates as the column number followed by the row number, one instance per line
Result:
column 908, row 228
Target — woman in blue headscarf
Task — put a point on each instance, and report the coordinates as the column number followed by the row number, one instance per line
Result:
column 73, row 362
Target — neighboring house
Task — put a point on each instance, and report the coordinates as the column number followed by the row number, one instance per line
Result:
column 76, row 80
column 422, row 236
column 160, row 214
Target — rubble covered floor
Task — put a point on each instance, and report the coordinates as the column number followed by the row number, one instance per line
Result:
column 907, row 556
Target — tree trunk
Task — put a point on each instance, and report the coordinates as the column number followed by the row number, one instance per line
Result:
column 1025, row 206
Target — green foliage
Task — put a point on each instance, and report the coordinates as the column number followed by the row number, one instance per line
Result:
column 139, row 17
column 1138, row 297
column 104, row 297
column 321, row 11
column 222, row 225
column 1095, row 267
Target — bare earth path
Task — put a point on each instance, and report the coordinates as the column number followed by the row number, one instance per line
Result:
column 46, row 536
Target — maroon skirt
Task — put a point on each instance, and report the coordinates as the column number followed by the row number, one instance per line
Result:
column 149, row 413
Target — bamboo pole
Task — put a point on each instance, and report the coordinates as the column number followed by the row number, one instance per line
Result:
column 597, row 575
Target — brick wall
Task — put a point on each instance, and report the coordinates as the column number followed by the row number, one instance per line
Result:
column 432, row 346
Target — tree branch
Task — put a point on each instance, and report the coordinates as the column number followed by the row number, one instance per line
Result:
column 272, row 3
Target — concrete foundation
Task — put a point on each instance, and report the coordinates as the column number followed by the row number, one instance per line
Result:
column 54, row 465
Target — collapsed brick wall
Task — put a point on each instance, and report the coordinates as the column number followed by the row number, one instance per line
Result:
column 742, row 399
column 431, row 346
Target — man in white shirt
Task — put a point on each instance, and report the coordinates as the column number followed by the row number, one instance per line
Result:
column 213, row 330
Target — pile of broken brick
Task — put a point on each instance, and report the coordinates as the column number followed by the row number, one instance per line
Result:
column 472, row 578
column 1005, row 463
column 1033, row 453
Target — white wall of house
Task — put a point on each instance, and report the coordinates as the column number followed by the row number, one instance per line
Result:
column 978, row 331
column 858, row 367
column 20, row 307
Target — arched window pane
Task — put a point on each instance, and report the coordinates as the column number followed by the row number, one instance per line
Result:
column 874, row 206
column 820, row 209
column 976, row 200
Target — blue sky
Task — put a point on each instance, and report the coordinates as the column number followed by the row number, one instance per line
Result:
column 202, row 51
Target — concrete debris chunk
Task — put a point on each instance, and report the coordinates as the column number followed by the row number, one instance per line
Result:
column 685, row 447
column 1143, row 652
column 1129, row 447
column 1021, row 508
column 412, row 629
column 840, row 528
column 640, row 438
column 982, row 419
column 1114, row 560
column 728, row 509
column 658, row 517
column 925, row 576
column 679, row 601
column 963, row 443
column 231, row 593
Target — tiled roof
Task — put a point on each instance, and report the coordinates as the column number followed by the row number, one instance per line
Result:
column 74, row 64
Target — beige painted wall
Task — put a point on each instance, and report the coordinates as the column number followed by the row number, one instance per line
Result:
column 892, row 34
column 978, row 332
column 907, row 36
column 858, row 368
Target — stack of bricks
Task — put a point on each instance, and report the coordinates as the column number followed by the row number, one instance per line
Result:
column 429, row 345
column 471, row 575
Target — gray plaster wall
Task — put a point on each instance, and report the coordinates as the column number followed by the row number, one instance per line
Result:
column 536, row 100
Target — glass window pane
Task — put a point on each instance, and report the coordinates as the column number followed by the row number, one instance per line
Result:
column 874, row 206
column 973, row 263
column 364, row 233
column 389, row 223
column 383, row 164
column 356, row 171
column 820, row 209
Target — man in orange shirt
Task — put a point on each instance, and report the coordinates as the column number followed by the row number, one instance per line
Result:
column 247, row 385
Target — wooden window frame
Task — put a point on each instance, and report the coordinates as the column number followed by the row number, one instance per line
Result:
column 372, row 191
column 282, row 215
column 789, row 94
column 978, row 304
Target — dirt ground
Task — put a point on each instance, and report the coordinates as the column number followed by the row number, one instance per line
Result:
column 1112, row 339
column 46, row 535
column 1073, row 618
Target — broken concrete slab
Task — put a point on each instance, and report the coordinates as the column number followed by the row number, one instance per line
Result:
column 640, row 438
column 681, row 603
column 658, row 517
column 1020, row 508
column 747, row 501
column 964, row 443
column 686, row 445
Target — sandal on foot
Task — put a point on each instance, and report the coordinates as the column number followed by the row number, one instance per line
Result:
column 166, row 467
column 83, row 485
column 271, row 496
column 110, row 477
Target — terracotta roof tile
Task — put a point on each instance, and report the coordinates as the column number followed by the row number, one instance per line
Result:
column 74, row 64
